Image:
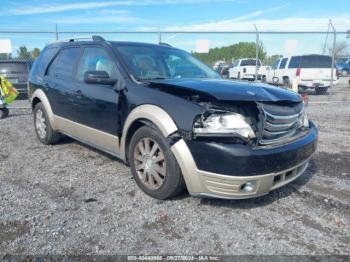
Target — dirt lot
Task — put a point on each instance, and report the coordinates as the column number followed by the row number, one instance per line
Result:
column 72, row 199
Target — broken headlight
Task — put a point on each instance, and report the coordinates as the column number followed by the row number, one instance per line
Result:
column 304, row 120
column 223, row 124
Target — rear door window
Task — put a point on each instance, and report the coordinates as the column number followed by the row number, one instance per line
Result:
column 283, row 63
column 65, row 63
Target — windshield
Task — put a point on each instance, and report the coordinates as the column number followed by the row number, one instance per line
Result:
column 249, row 62
column 158, row 62
column 13, row 68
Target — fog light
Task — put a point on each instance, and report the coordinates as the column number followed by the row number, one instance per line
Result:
column 248, row 187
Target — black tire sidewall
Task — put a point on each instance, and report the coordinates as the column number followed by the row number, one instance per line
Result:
column 173, row 183
column 4, row 112
column 51, row 135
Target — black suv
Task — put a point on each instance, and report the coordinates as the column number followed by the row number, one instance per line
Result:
column 171, row 118
column 16, row 71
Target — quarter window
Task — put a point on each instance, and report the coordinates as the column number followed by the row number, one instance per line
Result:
column 294, row 62
column 283, row 63
column 96, row 59
column 64, row 64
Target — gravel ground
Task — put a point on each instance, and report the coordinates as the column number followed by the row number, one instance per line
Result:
column 72, row 199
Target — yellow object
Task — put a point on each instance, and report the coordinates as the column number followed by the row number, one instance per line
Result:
column 8, row 90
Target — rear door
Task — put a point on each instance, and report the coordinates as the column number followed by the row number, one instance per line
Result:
column 97, row 105
column 59, row 85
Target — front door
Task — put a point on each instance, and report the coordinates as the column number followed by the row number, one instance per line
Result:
column 97, row 105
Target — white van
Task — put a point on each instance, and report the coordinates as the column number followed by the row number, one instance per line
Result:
column 312, row 71
column 245, row 69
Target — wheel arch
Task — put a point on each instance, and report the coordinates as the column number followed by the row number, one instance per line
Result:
column 145, row 115
column 40, row 97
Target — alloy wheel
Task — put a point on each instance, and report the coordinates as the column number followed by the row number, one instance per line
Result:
column 150, row 163
column 40, row 124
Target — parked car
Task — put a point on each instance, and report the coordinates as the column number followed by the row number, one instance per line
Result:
column 245, row 69
column 343, row 66
column 218, row 65
column 312, row 71
column 16, row 71
column 171, row 118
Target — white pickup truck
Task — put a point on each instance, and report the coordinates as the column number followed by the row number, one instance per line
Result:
column 311, row 71
column 245, row 69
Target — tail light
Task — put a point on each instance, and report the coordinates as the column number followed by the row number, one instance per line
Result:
column 297, row 73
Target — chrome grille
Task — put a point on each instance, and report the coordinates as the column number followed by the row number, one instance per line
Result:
column 280, row 122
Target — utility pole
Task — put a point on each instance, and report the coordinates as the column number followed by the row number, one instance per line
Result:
column 256, row 53
column 56, row 31
column 333, row 53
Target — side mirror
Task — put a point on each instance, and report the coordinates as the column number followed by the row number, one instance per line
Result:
column 99, row 78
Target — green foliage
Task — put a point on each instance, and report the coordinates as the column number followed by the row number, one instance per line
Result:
column 229, row 53
column 5, row 56
column 35, row 53
column 270, row 59
column 23, row 53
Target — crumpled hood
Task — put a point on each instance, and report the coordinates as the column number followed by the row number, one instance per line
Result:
column 227, row 90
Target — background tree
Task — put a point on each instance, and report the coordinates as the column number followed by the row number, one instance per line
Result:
column 270, row 59
column 35, row 53
column 229, row 53
column 5, row 56
column 341, row 49
column 23, row 53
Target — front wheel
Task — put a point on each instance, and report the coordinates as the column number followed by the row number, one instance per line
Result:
column 153, row 165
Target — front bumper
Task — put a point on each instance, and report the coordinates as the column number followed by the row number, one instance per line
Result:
column 267, row 168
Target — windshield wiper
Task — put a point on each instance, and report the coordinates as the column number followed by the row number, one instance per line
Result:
column 150, row 79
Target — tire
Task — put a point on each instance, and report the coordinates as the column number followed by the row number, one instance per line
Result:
column 239, row 76
column 169, row 181
column 42, row 126
column 286, row 83
column 263, row 79
column 322, row 90
column 4, row 112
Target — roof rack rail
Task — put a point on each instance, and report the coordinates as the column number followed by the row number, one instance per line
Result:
column 81, row 38
column 164, row 44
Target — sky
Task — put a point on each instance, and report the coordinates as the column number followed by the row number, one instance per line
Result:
column 180, row 15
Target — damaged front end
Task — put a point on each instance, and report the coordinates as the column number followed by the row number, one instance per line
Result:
column 251, row 123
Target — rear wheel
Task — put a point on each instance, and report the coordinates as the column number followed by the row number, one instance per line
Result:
column 4, row 112
column 287, row 83
column 322, row 90
column 153, row 165
column 239, row 76
column 43, row 129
